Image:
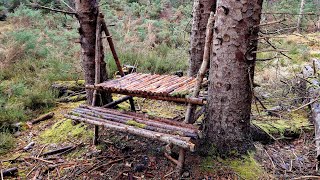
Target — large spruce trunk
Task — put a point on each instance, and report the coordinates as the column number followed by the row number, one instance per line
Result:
column 231, row 71
column 87, row 12
column 201, row 13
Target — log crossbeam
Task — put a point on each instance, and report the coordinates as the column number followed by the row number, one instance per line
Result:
column 134, row 123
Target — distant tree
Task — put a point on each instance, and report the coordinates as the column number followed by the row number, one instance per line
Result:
column 302, row 4
column 87, row 12
column 201, row 13
column 232, row 63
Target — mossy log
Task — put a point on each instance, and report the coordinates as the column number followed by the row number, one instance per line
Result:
column 68, row 87
column 43, row 118
column 76, row 98
column 310, row 73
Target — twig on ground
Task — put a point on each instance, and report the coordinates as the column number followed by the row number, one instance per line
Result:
column 31, row 171
column 274, row 167
column 41, row 150
column 312, row 101
column 40, row 159
column 106, row 164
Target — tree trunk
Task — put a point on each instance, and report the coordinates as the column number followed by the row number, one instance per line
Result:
column 201, row 13
column 87, row 12
column 303, row 2
column 232, row 63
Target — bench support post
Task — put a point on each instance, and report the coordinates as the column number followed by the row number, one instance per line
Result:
column 180, row 164
column 96, row 135
column 133, row 109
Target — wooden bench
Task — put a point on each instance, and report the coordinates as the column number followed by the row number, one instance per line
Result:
column 152, row 86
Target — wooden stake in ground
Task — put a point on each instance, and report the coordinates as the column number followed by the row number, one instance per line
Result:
column 115, row 55
column 97, row 72
column 203, row 68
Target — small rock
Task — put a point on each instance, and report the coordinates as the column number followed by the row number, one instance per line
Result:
column 29, row 146
column 93, row 153
column 185, row 174
column 139, row 167
column 17, row 134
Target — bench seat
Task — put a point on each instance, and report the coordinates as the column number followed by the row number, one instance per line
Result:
column 166, row 130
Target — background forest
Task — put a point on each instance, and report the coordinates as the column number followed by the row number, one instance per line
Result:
column 39, row 47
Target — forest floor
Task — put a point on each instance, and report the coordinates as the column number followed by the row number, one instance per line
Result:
column 120, row 155
column 124, row 156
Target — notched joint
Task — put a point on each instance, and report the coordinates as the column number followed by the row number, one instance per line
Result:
column 225, row 10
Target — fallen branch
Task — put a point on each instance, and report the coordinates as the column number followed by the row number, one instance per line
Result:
column 9, row 172
column 33, row 5
column 40, row 159
column 106, row 164
column 57, row 151
column 42, row 118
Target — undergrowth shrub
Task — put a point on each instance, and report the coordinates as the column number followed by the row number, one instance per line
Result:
column 39, row 50
column 6, row 142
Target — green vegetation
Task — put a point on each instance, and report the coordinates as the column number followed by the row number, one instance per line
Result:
column 6, row 142
column 63, row 131
column 246, row 167
column 291, row 125
column 135, row 124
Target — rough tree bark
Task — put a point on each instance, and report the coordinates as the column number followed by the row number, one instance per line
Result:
column 232, row 61
column 201, row 13
column 303, row 2
column 87, row 12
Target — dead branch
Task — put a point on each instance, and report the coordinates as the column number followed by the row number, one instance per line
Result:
column 42, row 118
column 39, row 159
column 268, row 59
column 271, row 23
column 290, row 13
column 63, row 149
column 274, row 47
column 270, row 50
column 33, row 5
column 9, row 172
column 106, row 164
column 203, row 68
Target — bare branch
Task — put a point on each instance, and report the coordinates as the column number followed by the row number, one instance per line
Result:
column 33, row 5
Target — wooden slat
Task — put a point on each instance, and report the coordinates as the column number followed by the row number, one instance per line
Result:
column 150, row 85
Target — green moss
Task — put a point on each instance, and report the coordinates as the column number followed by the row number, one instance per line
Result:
column 181, row 93
column 207, row 165
column 78, row 153
column 136, row 124
column 293, row 123
column 246, row 167
column 63, row 131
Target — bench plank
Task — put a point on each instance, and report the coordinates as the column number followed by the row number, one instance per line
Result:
column 150, row 128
